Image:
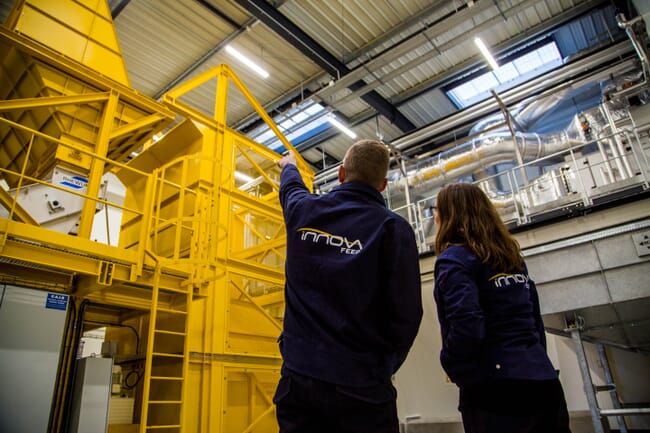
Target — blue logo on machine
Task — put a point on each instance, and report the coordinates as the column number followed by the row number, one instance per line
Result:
column 56, row 301
column 74, row 182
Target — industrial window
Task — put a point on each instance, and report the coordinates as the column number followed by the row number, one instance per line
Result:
column 519, row 70
column 297, row 124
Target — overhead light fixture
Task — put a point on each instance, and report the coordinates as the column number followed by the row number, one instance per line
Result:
column 248, row 62
column 486, row 53
column 243, row 177
column 347, row 131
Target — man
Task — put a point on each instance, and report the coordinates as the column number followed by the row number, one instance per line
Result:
column 353, row 300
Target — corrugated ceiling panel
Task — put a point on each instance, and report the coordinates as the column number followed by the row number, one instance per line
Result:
column 313, row 155
column 343, row 27
column 457, row 44
column 287, row 68
column 585, row 32
column 178, row 34
column 414, row 19
column 428, row 107
column 162, row 38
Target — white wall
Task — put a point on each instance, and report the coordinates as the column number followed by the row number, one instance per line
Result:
column 422, row 386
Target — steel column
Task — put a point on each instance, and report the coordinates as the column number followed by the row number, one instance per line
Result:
column 590, row 393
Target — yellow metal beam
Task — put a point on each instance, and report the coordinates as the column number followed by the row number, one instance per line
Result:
column 51, row 101
column 251, row 252
column 40, row 247
column 302, row 165
column 261, row 172
column 262, row 311
column 137, row 125
column 268, row 209
column 270, row 299
column 97, row 167
column 22, row 274
column 256, row 271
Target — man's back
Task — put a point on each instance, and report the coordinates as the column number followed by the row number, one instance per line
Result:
column 351, row 264
column 353, row 299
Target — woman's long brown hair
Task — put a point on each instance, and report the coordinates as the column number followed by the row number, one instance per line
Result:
column 467, row 216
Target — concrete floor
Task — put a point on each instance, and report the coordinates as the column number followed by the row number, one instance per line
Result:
column 580, row 423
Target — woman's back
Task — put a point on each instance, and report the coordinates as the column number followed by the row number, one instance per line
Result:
column 496, row 320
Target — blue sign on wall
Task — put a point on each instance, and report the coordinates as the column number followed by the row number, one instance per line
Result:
column 56, row 301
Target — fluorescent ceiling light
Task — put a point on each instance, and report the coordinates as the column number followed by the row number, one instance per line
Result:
column 486, row 53
column 248, row 62
column 243, row 177
column 342, row 127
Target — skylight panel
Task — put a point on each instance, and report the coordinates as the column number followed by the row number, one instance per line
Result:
column 297, row 124
column 465, row 91
column 528, row 62
column 549, row 53
column 486, row 82
column 530, row 65
column 506, row 73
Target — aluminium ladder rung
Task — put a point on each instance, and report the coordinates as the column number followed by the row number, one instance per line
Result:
column 171, row 378
column 169, row 310
column 162, row 331
column 626, row 411
column 168, row 355
column 607, row 387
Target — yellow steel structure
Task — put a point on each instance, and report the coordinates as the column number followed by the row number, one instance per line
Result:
column 199, row 269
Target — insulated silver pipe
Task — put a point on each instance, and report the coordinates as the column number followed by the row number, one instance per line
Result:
column 484, row 152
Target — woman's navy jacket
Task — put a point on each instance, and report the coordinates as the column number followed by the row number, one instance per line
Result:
column 490, row 321
column 352, row 292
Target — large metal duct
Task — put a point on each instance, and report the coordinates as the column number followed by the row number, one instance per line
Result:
column 486, row 151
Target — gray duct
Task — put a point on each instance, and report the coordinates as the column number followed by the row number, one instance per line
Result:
column 485, row 151
column 524, row 115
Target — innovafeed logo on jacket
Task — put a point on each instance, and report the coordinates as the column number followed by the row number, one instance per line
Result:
column 501, row 280
column 320, row 237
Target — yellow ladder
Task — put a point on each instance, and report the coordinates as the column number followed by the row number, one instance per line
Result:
column 167, row 359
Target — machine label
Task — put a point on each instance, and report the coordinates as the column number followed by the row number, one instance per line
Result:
column 74, row 182
column 56, row 301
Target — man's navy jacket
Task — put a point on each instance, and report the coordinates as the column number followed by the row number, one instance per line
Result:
column 490, row 321
column 353, row 296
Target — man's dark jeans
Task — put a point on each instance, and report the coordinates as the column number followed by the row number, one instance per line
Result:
column 307, row 405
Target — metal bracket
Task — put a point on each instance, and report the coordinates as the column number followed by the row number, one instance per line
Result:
column 105, row 276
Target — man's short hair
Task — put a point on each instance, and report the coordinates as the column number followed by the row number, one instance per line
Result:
column 367, row 161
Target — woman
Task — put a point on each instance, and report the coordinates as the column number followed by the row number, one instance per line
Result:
column 493, row 342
